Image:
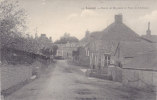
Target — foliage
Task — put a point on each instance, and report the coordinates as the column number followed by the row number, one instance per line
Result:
column 12, row 27
column 46, row 51
column 49, row 51
column 54, row 52
column 66, row 38
column 12, row 30
column 12, row 22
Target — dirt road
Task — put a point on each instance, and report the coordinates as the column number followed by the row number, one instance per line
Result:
column 69, row 82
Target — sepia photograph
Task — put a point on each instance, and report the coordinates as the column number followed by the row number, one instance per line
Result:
column 78, row 49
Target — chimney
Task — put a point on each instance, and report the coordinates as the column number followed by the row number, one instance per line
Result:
column 148, row 31
column 118, row 18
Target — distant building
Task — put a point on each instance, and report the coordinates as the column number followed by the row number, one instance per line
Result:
column 149, row 37
column 65, row 50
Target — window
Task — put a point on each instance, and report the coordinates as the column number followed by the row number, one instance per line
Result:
column 102, row 59
column 95, row 60
column 91, row 59
column 107, row 60
column 87, row 52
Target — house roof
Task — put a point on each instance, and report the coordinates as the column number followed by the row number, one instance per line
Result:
column 131, row 49
column 115, row 32
column 147, row 61
column 119, row 32
column 93, row 35
column 130, row 42
column 151, row 38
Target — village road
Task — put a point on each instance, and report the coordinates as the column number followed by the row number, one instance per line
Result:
column 69, row 82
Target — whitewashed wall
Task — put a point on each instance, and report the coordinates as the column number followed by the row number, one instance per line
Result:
column 139, row 78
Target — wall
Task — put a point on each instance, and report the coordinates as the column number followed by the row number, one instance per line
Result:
column 139, row 78
column 115, row 73
column 12, row 75
column 83, row 58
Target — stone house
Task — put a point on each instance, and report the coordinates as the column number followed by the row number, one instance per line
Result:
column 105, row 43
column 126, row 51
column 100, row 55
column 124, row 54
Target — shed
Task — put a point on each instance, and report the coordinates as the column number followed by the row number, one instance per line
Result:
column 141, row 71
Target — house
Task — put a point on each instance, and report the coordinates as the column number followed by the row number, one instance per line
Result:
column 125, row 53
column 84, row 48
column 66, row 50
column 82, row 58
column 60, row 49
column 104, row 43
column 141, row 72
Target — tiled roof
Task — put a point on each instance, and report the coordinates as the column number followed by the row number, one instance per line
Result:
column 131, row 49
column 152, row 38
column 119, row 32
column 108, row 39
column 147, row 61
column 114, row 32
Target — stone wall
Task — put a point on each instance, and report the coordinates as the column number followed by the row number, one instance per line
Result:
column 115, row 73
column 140, row 79
column 12, row 75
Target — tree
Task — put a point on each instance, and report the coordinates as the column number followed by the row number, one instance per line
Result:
column 50, row 51
column 46, row 51
column 12, row 22
column 54, row 52
column 67, row 38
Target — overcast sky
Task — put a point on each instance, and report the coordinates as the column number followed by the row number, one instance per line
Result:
column 55, row 17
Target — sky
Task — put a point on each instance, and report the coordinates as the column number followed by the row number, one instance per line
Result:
column 55, row 17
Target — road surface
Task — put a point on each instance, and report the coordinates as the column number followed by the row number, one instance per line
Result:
column 69, row 82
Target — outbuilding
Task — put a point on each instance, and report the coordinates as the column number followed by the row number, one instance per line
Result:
column 141, row 72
